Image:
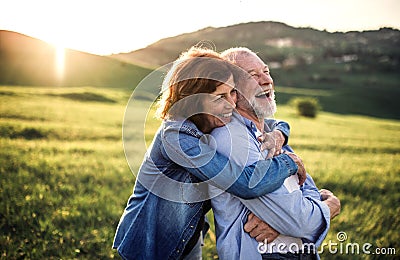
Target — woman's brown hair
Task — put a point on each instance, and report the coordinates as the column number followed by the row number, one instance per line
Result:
column 195, row 71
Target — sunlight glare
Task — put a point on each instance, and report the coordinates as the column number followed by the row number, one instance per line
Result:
column 59, row 62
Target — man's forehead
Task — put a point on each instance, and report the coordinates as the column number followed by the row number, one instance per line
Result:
column 252, row 63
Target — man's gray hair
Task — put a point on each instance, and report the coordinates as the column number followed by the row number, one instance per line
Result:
column 236, row 54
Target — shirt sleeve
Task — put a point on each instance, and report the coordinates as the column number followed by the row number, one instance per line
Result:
column 309, row 189
column 204, row 162
column 293, row 214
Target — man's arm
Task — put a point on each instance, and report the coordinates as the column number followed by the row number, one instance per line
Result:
column 293, row 214
column 310, row 189
column 260, row 230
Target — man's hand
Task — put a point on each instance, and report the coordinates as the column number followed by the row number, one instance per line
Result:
column 332, row 201
column 301, row 172
column 260, row 230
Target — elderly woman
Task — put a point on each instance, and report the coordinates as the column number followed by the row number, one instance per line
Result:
column 165, row 215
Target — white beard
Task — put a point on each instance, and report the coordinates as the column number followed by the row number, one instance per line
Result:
column 267, row 111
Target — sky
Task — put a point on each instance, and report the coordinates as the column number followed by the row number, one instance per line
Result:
column 115, row 26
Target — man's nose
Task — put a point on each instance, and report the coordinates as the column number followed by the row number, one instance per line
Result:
column 265, row 79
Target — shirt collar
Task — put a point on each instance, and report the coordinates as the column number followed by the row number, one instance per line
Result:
column 247, row 122
column 250, row 124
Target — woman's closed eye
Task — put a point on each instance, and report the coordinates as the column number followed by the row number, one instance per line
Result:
column 225, row 96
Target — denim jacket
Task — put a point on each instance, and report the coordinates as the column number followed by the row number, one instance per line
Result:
column 170, row 194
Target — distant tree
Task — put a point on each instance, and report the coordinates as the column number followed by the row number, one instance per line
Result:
column 306, row 106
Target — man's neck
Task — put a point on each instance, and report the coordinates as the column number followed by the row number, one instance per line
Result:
column 251, row 116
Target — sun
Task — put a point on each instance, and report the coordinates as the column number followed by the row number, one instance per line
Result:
column 59, row 62
column 58, row 44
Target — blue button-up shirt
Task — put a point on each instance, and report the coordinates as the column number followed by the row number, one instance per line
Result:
column 298, row 213
column 170, row 192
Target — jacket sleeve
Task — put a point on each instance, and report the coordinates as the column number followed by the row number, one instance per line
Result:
column 204, row 162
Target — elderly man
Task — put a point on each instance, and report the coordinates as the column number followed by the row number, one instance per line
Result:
column 300, row 214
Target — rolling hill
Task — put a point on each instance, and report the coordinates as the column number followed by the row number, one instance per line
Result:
column 28, row 61
column 349, row 73
column 281, row 44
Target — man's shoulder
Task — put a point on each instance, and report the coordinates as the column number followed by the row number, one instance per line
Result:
column 235, row 128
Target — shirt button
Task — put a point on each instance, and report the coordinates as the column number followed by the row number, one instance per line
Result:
column 191, row 226
column 183, row 240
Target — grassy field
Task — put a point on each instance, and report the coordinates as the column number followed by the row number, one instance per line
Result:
column 65, row 180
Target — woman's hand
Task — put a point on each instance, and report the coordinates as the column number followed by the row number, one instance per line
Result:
column 267, row 143
column 279, row 141
column 272, row 142
column 301, row 171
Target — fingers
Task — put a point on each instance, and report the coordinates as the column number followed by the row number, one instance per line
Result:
column 334, row 205
column 272, row 142
column 263, row 232
column 302, row 175
column 259, row 229
column 332, row 201
column 279, row 138
column 267, row 142
column 325, row 191
column 267, row 236
column 325, row 194
column 271, row 153
column 262, row 137
column 252, row 222
column 301, row 170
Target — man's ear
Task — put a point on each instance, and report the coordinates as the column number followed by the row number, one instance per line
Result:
column 240, row 97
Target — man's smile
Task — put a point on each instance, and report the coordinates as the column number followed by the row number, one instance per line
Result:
column 265, row 94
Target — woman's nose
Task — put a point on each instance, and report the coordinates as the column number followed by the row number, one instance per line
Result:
column 231, row 101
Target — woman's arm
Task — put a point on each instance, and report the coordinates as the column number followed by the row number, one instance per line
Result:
column 205, row 163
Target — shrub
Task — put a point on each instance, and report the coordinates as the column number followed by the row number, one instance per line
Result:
column 306, row 106
column 28, row 133
column 87, row 96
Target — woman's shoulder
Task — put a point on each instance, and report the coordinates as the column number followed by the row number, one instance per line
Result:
column 181, row 126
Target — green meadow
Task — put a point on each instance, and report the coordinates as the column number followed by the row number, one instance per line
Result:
column 65, row 179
